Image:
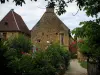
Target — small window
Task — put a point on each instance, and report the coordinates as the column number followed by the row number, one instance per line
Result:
column 5, row 23
column 12, row 33
column 38, row 40
column 5, row 36
column 42, row 33
column 56, row 33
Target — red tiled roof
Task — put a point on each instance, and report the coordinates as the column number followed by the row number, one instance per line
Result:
column 13, row 22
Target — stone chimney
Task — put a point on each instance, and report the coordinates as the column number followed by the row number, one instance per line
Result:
column 48, row 9
column 12, row 9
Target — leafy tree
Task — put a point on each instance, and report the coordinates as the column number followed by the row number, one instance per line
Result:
column 83, row 47
column 92, row 7
column 90, row 32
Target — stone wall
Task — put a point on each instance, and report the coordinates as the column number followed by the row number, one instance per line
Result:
column 10, row 34
column 41, row 36
column 81, row 57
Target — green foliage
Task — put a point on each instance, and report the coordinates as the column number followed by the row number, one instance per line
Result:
column 49, row 62
column 78, row 32
column 83, row 64
column 90, row 32
column 41, row 63
column 83, row 48
column 91, row 7
column 54, row 60
column 20, row 43
column 10, row 52
column 59, row 55
column 3, row 61
column 59, row 4
column 21, row 65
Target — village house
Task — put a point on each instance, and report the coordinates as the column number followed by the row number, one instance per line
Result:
column 50, row 29
column 12, row 25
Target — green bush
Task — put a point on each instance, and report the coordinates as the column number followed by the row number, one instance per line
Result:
column 84, row 48
column 15, row 48
column 42, row 65
column 21, row 43
column 53, row 60
column 59, row 57
column 3, row 60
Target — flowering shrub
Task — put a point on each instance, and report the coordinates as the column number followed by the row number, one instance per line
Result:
column 16, row 48
column 21, row 43
column 73, row 47
column 22, row 52
column 54, row 60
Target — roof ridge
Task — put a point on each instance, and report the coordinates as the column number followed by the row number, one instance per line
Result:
column 15, row 20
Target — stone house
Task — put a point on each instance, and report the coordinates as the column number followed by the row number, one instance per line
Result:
column 12, row 25
column 50, row 29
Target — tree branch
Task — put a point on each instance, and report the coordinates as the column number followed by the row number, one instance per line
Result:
column 76, row 13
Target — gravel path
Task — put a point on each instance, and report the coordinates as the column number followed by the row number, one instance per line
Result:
column 75, row 68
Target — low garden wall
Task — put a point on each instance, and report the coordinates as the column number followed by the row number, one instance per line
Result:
column 93, row 68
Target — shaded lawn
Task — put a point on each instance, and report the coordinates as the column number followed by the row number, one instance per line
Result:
column 83, row 64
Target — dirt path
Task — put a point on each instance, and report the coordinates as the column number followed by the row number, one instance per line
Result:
column 75, row 68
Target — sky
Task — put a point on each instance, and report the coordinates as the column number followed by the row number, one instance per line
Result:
column 31, row 12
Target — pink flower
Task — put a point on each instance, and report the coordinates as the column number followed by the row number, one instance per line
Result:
column 74, row 42
column 73, row 47
column 22, row 52
column 36, row 49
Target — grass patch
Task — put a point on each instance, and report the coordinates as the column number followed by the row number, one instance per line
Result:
column 83, row 64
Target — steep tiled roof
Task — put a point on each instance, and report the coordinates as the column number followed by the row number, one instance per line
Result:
column 13, row 22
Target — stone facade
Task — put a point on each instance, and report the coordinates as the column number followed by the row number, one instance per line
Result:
column 50, row 29
column 7, row 35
